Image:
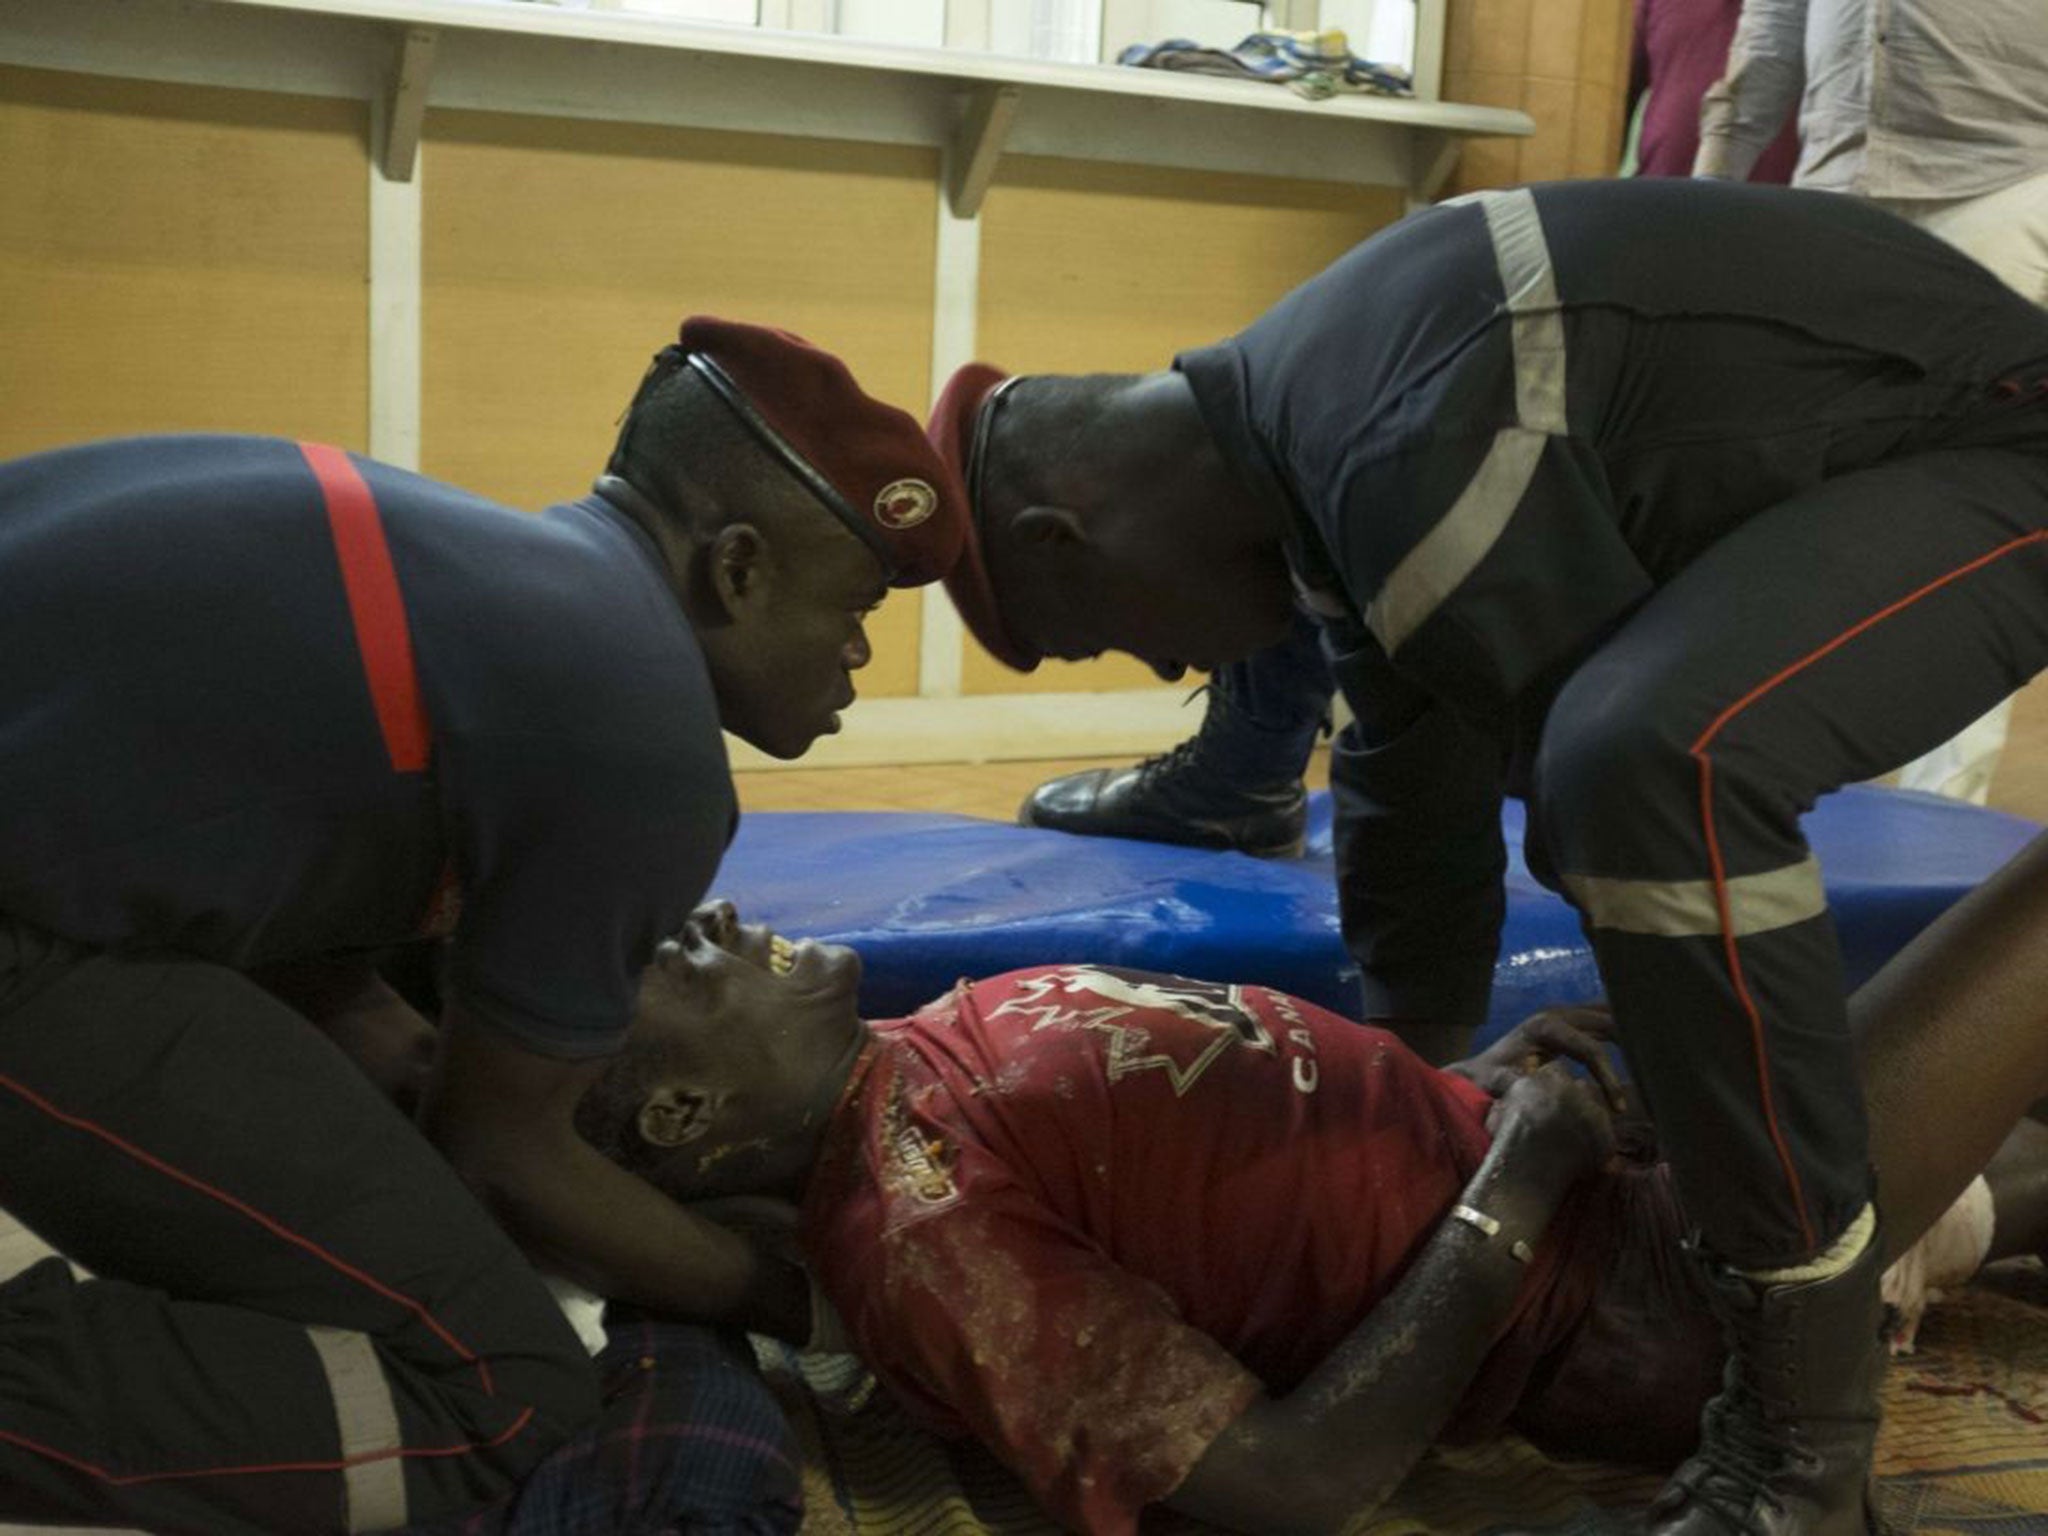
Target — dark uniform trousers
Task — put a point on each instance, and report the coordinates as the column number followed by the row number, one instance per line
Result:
column 1827, row 639
column 302, row 1321
column 1830, row 639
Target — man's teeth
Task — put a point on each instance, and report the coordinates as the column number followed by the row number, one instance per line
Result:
column 781, row 955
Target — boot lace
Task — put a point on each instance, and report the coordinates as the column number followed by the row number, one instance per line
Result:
column 1745, row 1447
column 1737, row 1459
column 1170, row 764
column 1181, row 757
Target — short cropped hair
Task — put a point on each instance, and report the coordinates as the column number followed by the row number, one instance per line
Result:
column 677, row 429
column 1058, row 415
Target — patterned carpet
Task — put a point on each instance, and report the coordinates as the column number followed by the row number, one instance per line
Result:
column 1964, row 1451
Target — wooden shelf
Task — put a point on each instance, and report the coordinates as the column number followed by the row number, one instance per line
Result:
column 405, row 57
column 510, row 56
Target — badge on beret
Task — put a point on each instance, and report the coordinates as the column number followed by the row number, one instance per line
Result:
column 905, row 503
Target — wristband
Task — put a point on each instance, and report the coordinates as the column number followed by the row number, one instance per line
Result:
column 1488, row 1227
column 1478, row 1219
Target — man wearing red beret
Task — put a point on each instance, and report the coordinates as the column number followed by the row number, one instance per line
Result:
column 1668, row 507
column 266, row 706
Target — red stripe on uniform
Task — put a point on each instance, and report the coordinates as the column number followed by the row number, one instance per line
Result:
column 269, row 1224
column 1749, row 1007
column 1719, row 872
column 339, row 1464
column 374, row 604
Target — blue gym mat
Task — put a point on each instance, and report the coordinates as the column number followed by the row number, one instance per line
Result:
column 929, row 899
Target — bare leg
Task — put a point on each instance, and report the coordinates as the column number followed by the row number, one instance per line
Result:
column 1954, row 1035
column 2019, row 1192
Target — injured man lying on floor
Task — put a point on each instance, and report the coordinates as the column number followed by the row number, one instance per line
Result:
column 1156, row 1240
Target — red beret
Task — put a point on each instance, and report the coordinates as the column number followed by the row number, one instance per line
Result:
column 958, row 429
column 866, row 461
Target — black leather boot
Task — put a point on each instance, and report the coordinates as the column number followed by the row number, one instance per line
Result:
column 1235, row 784
column 1177, row 797
column 1785, row 1449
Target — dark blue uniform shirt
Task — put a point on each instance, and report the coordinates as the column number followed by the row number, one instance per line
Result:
column 212, row 739
column 1501, row 424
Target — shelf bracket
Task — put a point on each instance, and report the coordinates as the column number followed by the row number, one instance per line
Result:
column 794, row 15
column 1431, row 159
column 405, row 104
column 978, row 144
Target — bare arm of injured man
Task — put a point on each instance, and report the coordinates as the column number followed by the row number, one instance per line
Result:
column 1337, row 1445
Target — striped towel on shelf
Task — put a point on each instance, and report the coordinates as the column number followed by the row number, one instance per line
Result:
column 1311, row 64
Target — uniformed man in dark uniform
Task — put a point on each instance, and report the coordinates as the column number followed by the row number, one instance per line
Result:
column 1669, row 507
column 265, row 701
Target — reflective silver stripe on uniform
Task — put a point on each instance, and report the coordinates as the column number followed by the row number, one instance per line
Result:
column 1531, row 286
column 368, row 1418
column 1677, row 909
column 1445, row 556
column 1450, row 551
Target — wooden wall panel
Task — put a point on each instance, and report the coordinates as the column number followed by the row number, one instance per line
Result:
column 179, row 258
column 1564, row 62
column 560, row 254
column 1091, row 267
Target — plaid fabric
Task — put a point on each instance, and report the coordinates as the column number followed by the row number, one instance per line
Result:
column 690, row 1442
column 1311, row 64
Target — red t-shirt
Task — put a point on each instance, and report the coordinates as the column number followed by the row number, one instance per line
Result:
column 1090, row 1215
